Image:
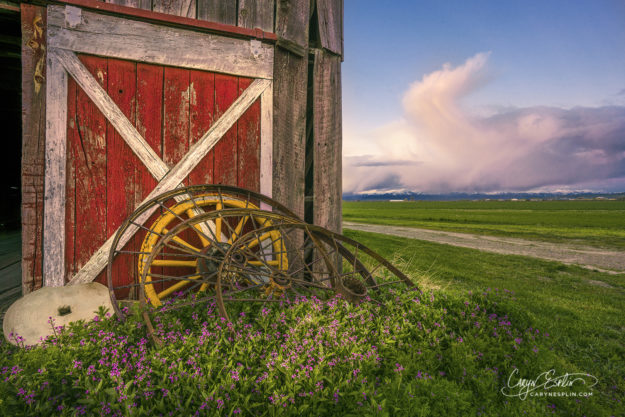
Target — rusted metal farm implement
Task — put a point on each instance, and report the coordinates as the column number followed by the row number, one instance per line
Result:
column 230, row 246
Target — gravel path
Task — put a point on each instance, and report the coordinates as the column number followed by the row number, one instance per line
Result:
column 588, row 257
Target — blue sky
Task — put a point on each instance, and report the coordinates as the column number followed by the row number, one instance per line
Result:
column 485, row 66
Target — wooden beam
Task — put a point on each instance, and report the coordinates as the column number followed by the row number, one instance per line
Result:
column 6, row 5
column 266, row 144
column 99, row 34
column 224, row 27
column 178, row 173
column 327, row 130
column 54, row 196
column 256, row 14
column 33, row 85
column 184, row 8
column 291, row 22
column 111, row 111
column 289, row 129
column 137, row 4
column 330, row 18
column 224, row 11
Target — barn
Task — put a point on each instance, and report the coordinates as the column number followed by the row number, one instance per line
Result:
column 124, row 99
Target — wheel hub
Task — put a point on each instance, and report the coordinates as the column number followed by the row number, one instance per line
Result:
column 208, row 266
column 353, row 288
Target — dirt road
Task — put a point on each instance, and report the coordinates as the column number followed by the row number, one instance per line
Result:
column 588, row 257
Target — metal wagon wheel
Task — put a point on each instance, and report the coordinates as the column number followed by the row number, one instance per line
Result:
column 321, row 263
column 157, row 217
column 194, row 278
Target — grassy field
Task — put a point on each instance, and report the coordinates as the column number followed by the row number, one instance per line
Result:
column 448, row 349
column 581, row 310
column 593, row 223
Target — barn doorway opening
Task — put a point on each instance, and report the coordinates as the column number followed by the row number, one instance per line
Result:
column 10, row 116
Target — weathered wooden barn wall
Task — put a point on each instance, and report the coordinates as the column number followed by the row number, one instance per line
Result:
column 326, row 114
column 33, row 142
column 290, row 92
column 306, row 106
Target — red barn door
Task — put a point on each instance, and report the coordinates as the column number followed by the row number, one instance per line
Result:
column 122, row 130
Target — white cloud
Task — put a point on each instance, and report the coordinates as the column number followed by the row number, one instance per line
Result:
column 438, row 146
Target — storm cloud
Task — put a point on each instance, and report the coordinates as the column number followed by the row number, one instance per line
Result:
column 438, row 146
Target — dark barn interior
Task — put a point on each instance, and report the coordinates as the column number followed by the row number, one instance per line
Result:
column 10, row 116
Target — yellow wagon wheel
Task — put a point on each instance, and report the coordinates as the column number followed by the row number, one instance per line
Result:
column 192, row 267
column 170, row 209
column 198, row 236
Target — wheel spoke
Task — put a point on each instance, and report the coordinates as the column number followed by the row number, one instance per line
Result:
column 310, row 284
column 191, row 213
column 218, row 220
column 237, row 230
column 261, row 263
column 257, row 241
column 168, row 277
column 175, row 287
column 308, row 264
column 168, row 262
column 131, row 252
column 181, row 248
column 299, row 255
column 202, row 231
column 183, row 242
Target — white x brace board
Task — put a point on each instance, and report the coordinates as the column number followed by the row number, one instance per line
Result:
column 73, row 30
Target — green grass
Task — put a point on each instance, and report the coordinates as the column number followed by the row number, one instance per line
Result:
column 448, row 350
column 582, row 310
column 594, row 223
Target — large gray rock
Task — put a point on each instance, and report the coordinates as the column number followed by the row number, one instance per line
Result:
column 30, row 315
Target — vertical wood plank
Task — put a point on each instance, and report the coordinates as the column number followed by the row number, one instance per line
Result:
column 120, row 160
column 289, row 129
column 256, row 14
column 176, row 111
column 54, row 194
column 330, row 19
column 248, row 144
column 149, row 123
column 223, row 11
column 225, row 168
column 327, row 127
column 176, row 114
column 291, row 21
column 266, row 143
column 138, row 4
column 33, row 142
column 90, row 168
column 184, row 8
column 73, row 150
column 202, row 107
